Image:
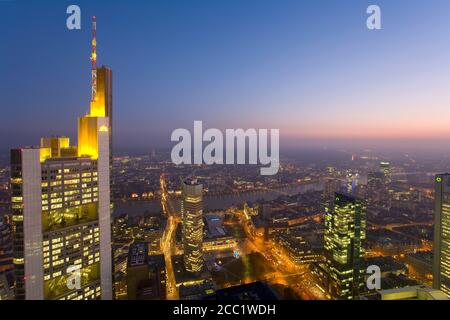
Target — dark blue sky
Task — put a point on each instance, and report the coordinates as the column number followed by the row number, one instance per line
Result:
column 310, row 68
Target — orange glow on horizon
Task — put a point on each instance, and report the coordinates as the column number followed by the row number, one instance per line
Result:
column 361, row 131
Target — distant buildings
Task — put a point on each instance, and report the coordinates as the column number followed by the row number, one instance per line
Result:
column 157, row 276
column 411, row 293
column 217, row 237
column 441, row 258
column 192, row 225
column 331, row 186
column 252, row 291
column 344, row 236
column 375, row 186
column 422, row 262
column 296, row 247
column 385, row 168
column 7, row 285
column 6, row 247
column 378, row 186
column 196, row 291
column 146, row 275
column 6, row 261
column 393, row 274
column 191, row 285
column 137, row 269
column 352, row 181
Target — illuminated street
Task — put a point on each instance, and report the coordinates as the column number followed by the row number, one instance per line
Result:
column 168, row 240
column 224, row 151
column 287, row 273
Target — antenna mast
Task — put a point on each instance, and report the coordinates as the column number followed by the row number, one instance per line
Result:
column 94, row 60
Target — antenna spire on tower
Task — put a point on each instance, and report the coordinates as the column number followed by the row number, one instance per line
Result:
column 94, row 59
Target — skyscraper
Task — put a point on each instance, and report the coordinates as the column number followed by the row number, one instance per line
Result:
column 352, row 181
column 101, row 87
column 441, row 247
column 344, row 237
column 61, row 214
column 101, row 94
column 385, row 168
column 101, row 106
column 376, row 187
column 331, row 186
column 192, row 224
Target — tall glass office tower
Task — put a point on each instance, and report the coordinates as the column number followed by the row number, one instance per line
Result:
column 344, row 237
column 192, row 224
column 441, row 247
column 61, row 208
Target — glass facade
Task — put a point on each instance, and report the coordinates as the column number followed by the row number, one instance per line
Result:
column 344, row 237
column 192, row 225
column 441, row 257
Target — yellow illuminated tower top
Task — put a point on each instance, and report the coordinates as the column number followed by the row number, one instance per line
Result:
column 101, row 83
column 89, row 126
column 97, row 101
column 96, row 122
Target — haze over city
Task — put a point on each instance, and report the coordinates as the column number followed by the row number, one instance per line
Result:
column 127, row 171
column 311, row 69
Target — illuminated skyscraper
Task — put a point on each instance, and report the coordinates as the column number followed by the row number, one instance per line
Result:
column 192, row 224
column 352, row 181
column 331, row 186
column 385, row 168
column 101, row 87
column 344, row 237
column 101, row 97
column 102, row 104
column 376, row 187
column 61, row 214
column 441, row 256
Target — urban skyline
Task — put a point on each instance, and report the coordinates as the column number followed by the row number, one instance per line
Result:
column 338, row 84
column 82, row 221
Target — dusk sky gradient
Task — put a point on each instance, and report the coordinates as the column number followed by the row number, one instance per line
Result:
column 310, row 68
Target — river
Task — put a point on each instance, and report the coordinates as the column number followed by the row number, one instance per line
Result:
column 212, row 203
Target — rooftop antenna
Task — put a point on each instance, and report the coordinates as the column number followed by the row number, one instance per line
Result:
column 194, row 180
column 94, row 60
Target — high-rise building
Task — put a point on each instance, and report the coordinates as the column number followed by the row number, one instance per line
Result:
column 331, row 186
column 61, row 214
column 137, row 269
column 101, row 88
column 101, row 105
column 6, row 246
column 411, row 293
column 441, row 247
column 344, row 237
column 376, row 190
column 352, row 181
column 192, row 224
column 385, row 168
